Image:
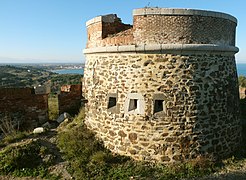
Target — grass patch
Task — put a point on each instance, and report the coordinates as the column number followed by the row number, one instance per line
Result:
column 53, row 107
column 13, row 137
column 89, row 159
column 30, row 158
column 76, row 121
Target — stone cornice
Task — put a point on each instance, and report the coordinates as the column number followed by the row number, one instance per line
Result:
column 163, row 48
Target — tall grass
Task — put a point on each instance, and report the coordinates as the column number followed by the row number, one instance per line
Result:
column 30, row 158
column 53, row 107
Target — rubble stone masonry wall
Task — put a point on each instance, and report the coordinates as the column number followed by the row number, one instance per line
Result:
column 23, row 105
column 170, row 92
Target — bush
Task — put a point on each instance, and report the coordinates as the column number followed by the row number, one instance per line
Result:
column 25, row 159
column 78, row 145
column 17, row 158
column 89, row 159
column 14, row 137
column 242, row 81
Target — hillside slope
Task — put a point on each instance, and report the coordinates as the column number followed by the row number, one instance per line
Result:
column 31, row 76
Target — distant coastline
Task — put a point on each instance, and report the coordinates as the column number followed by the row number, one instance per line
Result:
column 77, row 68
column 241, row 70
column 69, row 71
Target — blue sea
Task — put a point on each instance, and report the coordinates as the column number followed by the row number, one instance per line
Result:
column 69, row 71
column 241, row 70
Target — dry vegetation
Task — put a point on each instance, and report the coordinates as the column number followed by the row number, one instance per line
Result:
column 53, row 107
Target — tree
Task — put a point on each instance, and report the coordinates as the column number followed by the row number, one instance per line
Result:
column 242, row 81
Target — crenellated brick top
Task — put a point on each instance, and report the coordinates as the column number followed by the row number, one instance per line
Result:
column 100, row 30
column 163, row 26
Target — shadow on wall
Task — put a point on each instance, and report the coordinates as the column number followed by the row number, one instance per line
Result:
column 243, row 110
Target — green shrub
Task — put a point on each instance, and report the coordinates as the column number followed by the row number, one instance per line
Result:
column 99, row 158
column 53, row 107
column 14, row 137
column 25, row 159
column 89, row 159
column 76, row 121
column 242, row 81
column 19, row 157
column 78, row 145
column 80, row 117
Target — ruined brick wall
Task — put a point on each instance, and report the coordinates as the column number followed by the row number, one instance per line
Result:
column 30, row 108
column 102, row 27
column 69, row 99
column 168, row 95
column 168, row 26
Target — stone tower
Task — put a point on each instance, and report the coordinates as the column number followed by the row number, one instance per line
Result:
column 164, row 89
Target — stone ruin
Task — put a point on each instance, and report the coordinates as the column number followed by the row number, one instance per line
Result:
column 69, row 99
column 164, row 89
column 25, row 107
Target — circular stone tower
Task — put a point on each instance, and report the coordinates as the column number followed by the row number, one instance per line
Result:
column 165, row 88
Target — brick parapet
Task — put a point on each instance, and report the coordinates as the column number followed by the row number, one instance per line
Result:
column 101, row 27
column 110, row 18
column 163, row 26
column 182, row 12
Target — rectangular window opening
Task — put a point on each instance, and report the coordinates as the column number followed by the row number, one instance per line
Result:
column 158, row 106
column 133, row 104
column 111, row 102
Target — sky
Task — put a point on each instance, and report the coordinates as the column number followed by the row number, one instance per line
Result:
column 54, row 31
